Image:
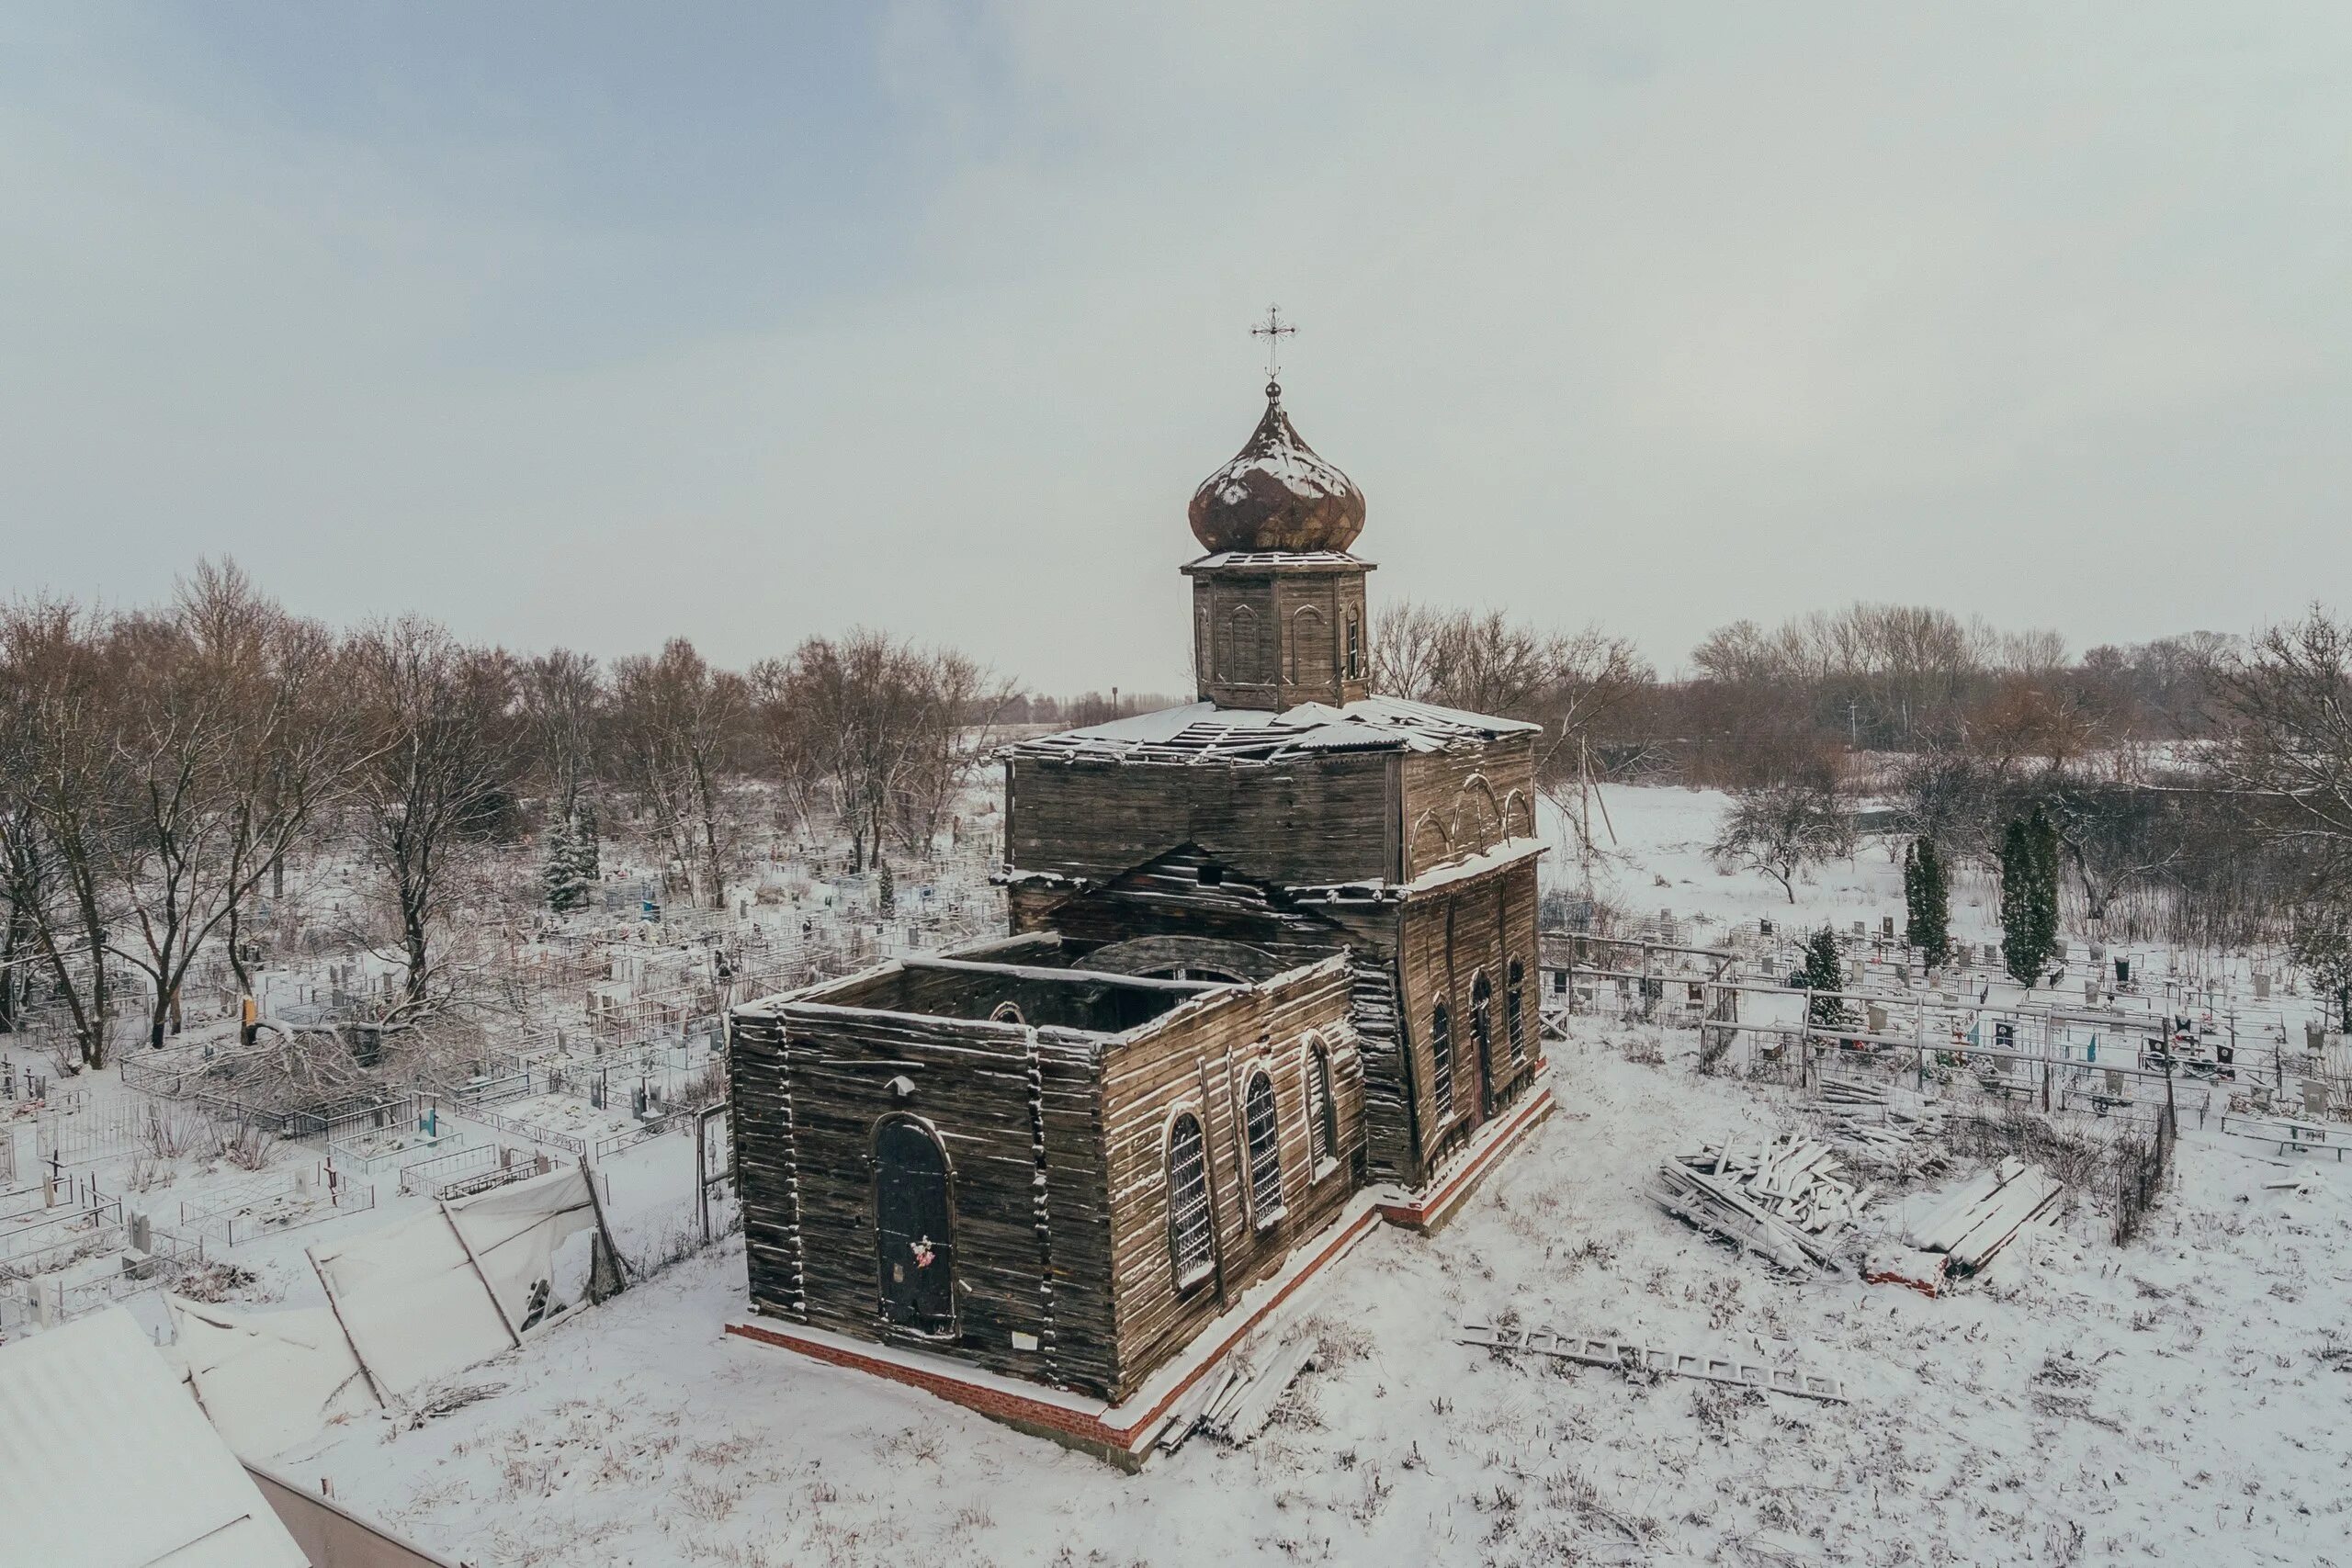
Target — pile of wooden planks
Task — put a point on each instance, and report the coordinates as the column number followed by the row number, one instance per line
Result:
column 1878, row 1122
column 1780, row 1197
column 1234, row 1402
column 1979, row 1219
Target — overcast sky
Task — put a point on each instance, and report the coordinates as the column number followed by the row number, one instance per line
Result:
column 593, row 324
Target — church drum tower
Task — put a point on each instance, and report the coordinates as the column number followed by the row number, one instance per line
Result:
column 1289, row 814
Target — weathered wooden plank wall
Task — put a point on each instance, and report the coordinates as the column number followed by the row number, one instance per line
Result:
column 1008, row 1104
column 1304, row 820
column 1203, row 1062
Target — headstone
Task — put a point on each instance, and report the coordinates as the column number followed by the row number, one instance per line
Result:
column 2261, row 985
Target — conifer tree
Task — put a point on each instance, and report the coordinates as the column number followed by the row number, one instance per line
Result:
column 2043, row 837
column 1824, row 972
column 2029, row 898
column 1927, row 897
column 560, row 874
column 886, row 892
column 588, row 852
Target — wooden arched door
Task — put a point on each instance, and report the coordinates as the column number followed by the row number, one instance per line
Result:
column 914, row 1227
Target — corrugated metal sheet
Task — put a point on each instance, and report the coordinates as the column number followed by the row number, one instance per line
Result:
column 106, row 1462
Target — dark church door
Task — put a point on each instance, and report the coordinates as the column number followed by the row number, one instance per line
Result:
column 915, row 1228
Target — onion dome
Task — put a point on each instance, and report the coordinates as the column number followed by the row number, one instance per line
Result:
column 1277, row 494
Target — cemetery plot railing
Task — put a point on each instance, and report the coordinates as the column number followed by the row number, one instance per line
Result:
column 424, row 1175
column 530, row 1131
column 644, row 1132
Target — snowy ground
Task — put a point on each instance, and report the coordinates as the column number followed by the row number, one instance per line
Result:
column 2181, row 1400
column 2185, row 1399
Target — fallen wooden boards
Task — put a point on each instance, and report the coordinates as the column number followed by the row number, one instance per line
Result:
column 1626, row 1356
column 1234, row 1402
column 1780, row 1197
column 1979, row 1220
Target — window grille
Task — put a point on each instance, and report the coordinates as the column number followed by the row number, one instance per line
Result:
column 1442, row 1048
column 1188, row 1202
column 1515, row 1012
column 1265, row 1150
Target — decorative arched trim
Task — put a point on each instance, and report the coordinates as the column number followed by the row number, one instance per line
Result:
column 1243, row 659
column 1322, row 1108
column 1432, row 843
column 1477, row 818
column 1519, row 817
column 1007, row 1013
column 1158, row 955
column 1310, row 646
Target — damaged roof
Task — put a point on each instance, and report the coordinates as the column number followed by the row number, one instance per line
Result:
column 1203, row 732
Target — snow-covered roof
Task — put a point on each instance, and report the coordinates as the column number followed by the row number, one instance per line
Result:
column 106, row 1462
column 1204, row 732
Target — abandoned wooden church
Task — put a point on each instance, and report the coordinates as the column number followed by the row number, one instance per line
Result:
column 1271, row 979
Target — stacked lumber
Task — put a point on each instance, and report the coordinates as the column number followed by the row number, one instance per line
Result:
column 1780, row 1197
column 1234, row 1402
column 1982, row 1217
column 1878, row 1121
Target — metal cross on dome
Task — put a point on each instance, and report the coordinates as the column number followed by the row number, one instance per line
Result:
column 1273, row 328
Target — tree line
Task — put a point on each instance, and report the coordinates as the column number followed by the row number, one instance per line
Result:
column 159, row 767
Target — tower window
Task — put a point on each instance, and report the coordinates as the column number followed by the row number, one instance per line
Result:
column 1355, row 646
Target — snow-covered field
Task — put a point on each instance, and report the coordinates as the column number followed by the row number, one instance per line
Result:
column 2187, row 1398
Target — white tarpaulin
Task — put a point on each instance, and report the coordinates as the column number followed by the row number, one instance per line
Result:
column 416, row 1296
column 269, row 1380
column 105, row 1462
column 411, row 1300
column 514, row 1231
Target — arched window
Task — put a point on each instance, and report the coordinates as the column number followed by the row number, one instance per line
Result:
column 1007, row 1013
column 1265, row 1124
column 1515, row 1011
column 1189, row 1249
column 1322, row 1114
column 1482, row 1032
column 1355, row 646
column 1442, row 1049
column 914, row 1227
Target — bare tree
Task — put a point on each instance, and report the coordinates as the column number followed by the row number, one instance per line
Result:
column 64, row 807
column 1781, row 828
column 563, row 700
column 680, row 728
column 2286, row 739
column 1568, row 682
column 876, row 730
column 441, row 746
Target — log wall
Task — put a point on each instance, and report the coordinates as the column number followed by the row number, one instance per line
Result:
column 1007, row 1101
column 1304, row 820
column 1203, row 1064
column 1465, row 799
column 1480, row 923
